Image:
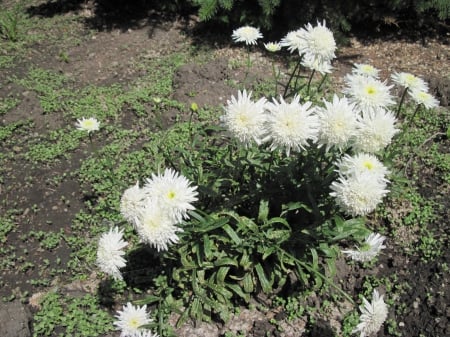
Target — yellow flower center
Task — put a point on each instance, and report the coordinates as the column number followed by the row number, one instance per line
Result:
column 171, row 194
column 367, row 68
column 134, row 323
column 368, row 165
column 371, row 90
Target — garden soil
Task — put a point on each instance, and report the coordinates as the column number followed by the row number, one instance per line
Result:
column 110, row 54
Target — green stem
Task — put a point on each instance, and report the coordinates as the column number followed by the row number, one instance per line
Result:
column 415, row 112
column 275, row 78
column 324, row 77
column 309, row 81
column 286, row 88
column 401, row 102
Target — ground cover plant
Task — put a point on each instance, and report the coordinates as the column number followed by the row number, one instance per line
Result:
column 127, row 205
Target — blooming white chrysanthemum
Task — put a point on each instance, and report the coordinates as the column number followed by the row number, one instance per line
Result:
column 410, row 81
column 110, row 253
column 359, row 194
column 321, row 66
column 246, row 34
column 88, row 124
column 272, row 46
column 364, row 69
column 368, row 92
column 293, row 41
column 362, row 163
column 130, row 318
column 319, row 42
column 244, row 118
column 132, row 202
column 423, row 97
column 156, row 227
column 292, row 125
column 173, row 192
column 373, row 315
column 338, row 123
column 375, row 131
column 370, row 249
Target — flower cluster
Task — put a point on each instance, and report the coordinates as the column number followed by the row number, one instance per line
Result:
column 156, row 209
column 315, row 44
column 417, row 89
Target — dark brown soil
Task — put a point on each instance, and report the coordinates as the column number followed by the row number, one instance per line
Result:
column 109, row 55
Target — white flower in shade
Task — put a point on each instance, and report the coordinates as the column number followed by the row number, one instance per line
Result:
column 365, row 70
column 246, row 34
column 110, row 253
column 338, row 123
column 130, row 318
column 88, row 124
column 410, row 81
column 293, row 41
column 369, row 249
column 132, row 202
column 423, row 97
column 173, row 192
column 156, row 227
column 319, row 42
column 291, row 125
column 244, row 118
column 368, row 92
column 375, row 131
column 359, row 194
column 373, row 315
column 321, row 66
column 272, row 46
column 362, row 163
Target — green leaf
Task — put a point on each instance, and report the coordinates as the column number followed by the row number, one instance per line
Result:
column 247, row 282
column 238, row 291
column 226, row 261
column 263, row 211
column 221, row 274
column 265, row 284
column 232, row 234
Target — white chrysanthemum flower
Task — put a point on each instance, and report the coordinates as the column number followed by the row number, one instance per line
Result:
column 338, row 123
column 375, row 131
column 369, row 250
column 293, row 41
column 88, row 124
column 130, row 318
column 319, row 42
column 423, row 97
column 173, row 192
column 373, row 315
column 132, row 202
column 291, row 125
column 365, row 70
column 359, row 194
column 110, row 253
column 246, row 34
column 410, row 81
column 272, row 46
column 368, row 92
column 156, row 227
column 362, row 163
column 244, row 118
column 321, row 66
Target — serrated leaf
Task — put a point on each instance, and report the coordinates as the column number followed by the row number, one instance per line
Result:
column 268, row 251
column 207, row 247
column 265, row 284
column 221, row 274
column 247, row 283
column 232, row 234
column 196, row 309
column 263, row 213
column 226, row 261
column 238, row 291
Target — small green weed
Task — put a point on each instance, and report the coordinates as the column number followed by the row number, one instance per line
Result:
column 77, row 317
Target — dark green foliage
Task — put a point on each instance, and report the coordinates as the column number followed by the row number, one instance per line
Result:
column 341, row 14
